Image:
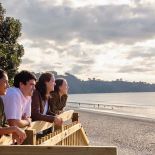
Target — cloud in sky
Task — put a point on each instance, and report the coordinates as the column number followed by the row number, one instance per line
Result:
column 97, row 25
column 108, row 39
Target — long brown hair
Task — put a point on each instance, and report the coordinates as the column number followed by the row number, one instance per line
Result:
column 41, row 85
column 58, row 83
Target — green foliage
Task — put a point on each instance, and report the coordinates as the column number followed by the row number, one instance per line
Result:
column 10, row 51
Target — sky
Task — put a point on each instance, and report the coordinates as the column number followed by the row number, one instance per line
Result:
column 102, row 39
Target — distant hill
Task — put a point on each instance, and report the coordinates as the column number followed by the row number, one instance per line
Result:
column 77, row 86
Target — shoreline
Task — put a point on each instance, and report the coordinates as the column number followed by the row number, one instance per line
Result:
column 129, row 135
column 117, row 114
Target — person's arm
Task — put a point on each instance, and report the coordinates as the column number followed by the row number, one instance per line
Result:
column 17, row 134
column 52, row 104
column 23, row 122
column 7, row 130
column 19, row 123
column 63, row 101
column 58, row 121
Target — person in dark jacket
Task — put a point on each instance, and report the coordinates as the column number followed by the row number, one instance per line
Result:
column 40, row 100
column 59, row 96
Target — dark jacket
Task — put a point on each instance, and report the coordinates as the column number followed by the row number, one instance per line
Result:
column 2, row 115
column 56, row 103
column 37, row 109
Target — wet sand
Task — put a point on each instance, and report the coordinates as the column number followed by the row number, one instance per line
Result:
column 130, row 135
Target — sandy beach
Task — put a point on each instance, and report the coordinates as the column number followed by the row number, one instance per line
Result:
column 131, row 136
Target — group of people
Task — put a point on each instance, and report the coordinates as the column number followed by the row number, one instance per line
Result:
column 29, row 100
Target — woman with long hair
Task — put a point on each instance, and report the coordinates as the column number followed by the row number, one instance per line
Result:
column 40, row 100
column 59, row 96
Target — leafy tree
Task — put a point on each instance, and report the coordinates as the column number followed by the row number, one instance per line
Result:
column 10, row 51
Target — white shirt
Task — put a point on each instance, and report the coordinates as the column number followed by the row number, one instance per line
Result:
column 44, row 112
column 45, row 108
column 16, row 104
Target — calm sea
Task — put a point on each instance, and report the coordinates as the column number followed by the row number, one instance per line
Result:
column 138, row 99
column 135, row 104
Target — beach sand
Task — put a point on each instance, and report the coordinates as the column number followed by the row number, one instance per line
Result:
column 131, row 136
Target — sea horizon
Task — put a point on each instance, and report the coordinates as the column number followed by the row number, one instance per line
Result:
column 134, row 104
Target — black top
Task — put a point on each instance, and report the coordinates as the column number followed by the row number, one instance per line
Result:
column 2, row 115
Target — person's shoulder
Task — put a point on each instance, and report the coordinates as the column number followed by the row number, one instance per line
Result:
column 12, row 90
column 65, row 96
column 12, row 96
column 54, row 94
column 36, row 92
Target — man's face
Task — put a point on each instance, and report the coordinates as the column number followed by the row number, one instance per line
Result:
column 28, row 89
column 4, row 84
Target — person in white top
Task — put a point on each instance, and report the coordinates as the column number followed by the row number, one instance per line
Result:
column 17, row 101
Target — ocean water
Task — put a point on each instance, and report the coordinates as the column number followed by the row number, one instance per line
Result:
column 139, row 99
column 141, row 104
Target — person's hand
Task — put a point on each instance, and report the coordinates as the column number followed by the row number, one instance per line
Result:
column 59, row 112
column 18, row 135
column 58, row 121
column 28, row 119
